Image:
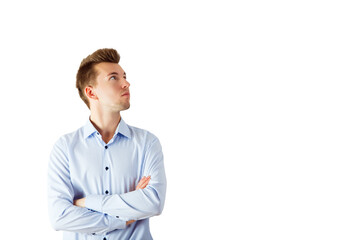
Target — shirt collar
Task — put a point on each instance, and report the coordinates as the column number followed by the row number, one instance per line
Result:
column 122, row 128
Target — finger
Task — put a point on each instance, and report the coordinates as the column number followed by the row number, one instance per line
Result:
column 143, row 180
column 145, row 183
column 130, row 222
column 140, row 183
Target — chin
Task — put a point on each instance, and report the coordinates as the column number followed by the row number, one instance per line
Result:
column 125, row 107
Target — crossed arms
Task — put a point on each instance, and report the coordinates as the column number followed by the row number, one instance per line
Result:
column 101, row 214
column 141, row 185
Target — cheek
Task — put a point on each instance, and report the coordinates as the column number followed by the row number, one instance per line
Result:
column 109, row 92
column 112, row 92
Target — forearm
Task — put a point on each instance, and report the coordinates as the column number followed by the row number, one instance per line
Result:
column 67, row 217
column 93, row 200
column 141, row 185
column 139, row 204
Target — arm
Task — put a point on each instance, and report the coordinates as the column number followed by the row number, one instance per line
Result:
column 141, row 185
column 142, row 203
column 63, row 214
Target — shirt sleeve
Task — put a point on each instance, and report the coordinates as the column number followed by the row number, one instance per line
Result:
column 142, row 203
column 63, row 214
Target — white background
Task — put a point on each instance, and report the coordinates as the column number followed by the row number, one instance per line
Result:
column 242, row 95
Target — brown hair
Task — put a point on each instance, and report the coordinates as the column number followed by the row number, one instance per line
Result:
column 86, row 75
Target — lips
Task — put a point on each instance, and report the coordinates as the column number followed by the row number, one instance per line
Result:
column 126, row 94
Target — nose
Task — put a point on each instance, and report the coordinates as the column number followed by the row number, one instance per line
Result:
column 125, row 84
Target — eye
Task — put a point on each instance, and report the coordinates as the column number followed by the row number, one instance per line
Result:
column 112, row 78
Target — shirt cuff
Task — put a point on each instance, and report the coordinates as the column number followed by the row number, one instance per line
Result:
column 117, row 223
column 94, row 202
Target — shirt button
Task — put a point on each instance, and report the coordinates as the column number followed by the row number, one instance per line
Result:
column 104, row 238
column 106, row 147
column 106, row 192
column 107, row 168
column 117, row 217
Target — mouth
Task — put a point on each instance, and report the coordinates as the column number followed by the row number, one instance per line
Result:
column 126, row 94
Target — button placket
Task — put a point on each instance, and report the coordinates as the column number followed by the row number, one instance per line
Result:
column 106, row 175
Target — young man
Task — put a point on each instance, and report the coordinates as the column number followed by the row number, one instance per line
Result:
column 106, row 179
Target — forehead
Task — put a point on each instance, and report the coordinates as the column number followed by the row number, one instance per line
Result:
column 106, row 68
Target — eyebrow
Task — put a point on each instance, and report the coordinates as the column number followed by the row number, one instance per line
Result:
column 112, row 73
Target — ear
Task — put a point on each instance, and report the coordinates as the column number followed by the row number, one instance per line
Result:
column 90, row 93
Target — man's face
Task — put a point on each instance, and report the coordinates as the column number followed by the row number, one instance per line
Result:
column 112, row 88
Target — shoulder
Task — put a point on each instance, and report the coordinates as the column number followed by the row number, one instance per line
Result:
column 142, row 135
column 147, row 143
column 70, row 138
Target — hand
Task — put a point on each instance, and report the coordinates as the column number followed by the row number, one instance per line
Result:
column 79, row 202
column 130, row 222
column 143, row 183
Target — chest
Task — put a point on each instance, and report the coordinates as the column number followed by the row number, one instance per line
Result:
column 114, row 169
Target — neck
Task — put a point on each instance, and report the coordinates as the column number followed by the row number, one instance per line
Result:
column 105, row 123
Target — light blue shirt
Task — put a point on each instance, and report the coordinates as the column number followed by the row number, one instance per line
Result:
column 83, row 165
